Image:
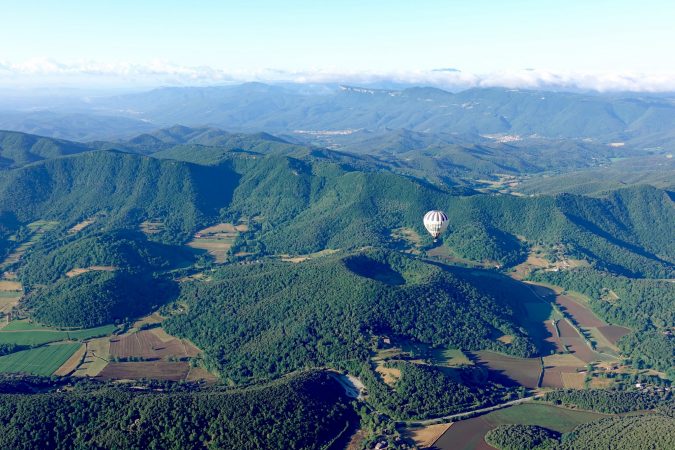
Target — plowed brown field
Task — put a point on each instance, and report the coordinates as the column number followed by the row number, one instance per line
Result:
column 156, row 370
column 145, row 344
column 580, row 313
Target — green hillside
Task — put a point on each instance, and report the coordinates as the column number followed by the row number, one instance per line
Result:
column 270, row 318
column 97, row 298
column 18, row 149
column 307, row 205
column 127, row 188
column 52, row 258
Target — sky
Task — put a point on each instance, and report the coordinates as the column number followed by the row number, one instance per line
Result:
column 596, row 44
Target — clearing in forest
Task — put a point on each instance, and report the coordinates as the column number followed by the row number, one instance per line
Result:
column 150, row 227
column 447, row 255
column 37, row 229
column 82, row 225
column 308, row 256
column 79, row 271
column 408, row 239
column 413, row 352
column 217, row 239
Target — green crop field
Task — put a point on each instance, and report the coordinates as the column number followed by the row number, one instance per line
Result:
column 554, row 418
column 31, row 337
column 38, row 361
column 89, row 333
column 25, row 325
column 25, row 335
column 450, row 357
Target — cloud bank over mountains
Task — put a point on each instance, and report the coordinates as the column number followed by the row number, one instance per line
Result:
column 50, row 73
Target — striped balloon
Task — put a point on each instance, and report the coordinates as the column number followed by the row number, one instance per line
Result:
column 435, row 222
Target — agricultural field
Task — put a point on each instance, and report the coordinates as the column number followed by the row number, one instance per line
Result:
column 565, row 337
column 405, row 350
column 156, row 370
column 31, row 334
column 11, row 291
column 80, row 270
column 25, row 325
column 147, row 345
column 613, row 332
column 132, row 355
column 604, row 336
column 468, row 434
column 510, row 370
column 37, row 229
column 302, row 258
column 563, row 370
column 43, row 360
column 151, row 227
column 574, row 343
column 81, row 225
column 425, row 436
column 96, row 357
column 72, row 363
column 581, row 315
column 217, row 240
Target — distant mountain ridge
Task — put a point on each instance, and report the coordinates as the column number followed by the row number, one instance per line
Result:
column 474, row 111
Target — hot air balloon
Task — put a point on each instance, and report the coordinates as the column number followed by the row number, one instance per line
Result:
column 435, row 222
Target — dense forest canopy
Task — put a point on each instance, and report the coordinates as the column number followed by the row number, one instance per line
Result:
column 97, row 298
column 305, row 411
column 269, row 318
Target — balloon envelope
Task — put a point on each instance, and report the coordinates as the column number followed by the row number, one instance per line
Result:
column 435, row 222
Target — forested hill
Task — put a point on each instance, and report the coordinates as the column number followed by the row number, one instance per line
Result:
column 305, row 205
column 18, row 149
column 270, row 318
column 180, row 136
column 306, row 411
column 127, row 188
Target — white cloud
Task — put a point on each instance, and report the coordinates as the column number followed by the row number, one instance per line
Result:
column 46, row 72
